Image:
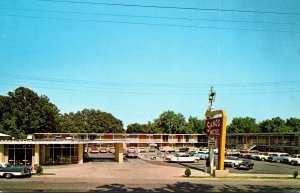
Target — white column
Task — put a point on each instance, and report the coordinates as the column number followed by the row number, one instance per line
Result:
column 37, row 154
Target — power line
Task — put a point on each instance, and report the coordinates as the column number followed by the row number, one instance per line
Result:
column 257, row 86
column 148, row 24
column 170, row 7
column 148, row 92
column 150, row 17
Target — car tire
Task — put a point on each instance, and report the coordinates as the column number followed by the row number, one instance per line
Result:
column 8, row 175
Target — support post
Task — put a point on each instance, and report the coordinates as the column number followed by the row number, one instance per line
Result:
column 43, row 154
column 222, row 138
column 211, row 159
column 37, row 154
column 119, row 152
column 80, row 153
column 2, row 153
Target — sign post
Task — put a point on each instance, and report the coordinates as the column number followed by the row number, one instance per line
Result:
column 216, row 128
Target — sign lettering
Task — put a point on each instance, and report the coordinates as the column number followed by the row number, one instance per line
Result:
column 213, row 127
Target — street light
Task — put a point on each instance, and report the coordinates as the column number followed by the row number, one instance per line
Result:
column 211, row 97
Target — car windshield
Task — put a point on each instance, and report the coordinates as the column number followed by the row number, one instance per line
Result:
column 9, row 165
column 246, row 161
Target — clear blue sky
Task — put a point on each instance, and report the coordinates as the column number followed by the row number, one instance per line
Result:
column 137, row 61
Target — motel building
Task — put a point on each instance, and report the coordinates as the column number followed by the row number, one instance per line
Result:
column 70, row 148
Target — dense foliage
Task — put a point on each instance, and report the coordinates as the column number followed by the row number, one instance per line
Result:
column 243, row 125
column 90, row 121
column 276, row 124
column 169, row 122
column 24, row 112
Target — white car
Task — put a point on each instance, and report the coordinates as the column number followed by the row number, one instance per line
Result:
column 261, row 156
column 182, row 157
column 142, row 150
column 132, row 152
column 289, row 159
column 295, row 161
column 232, row 161
column 202, row 154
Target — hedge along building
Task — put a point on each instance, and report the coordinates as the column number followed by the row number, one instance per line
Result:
column 45, row 152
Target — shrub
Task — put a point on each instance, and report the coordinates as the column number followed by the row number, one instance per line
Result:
column 187, row 172
column 39, row 169
column 295, row 174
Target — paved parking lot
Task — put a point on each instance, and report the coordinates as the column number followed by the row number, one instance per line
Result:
column 260, row 167
column 136, row 175
column 130, row 169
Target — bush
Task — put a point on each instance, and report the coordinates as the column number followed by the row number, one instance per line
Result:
column 295, row 174
column 187, row 172
column 39, row 170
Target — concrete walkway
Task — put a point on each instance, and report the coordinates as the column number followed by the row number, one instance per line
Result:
column 133, row 169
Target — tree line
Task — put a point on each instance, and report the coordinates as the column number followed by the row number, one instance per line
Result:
column 24, row 112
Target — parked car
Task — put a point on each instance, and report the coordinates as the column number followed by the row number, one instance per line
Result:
column 202, row 155
column 142, row 150
column 247, row 153
column 8, row 170
column 132, row 152
column 277, row 157
column 261, row 156
column 182, row 157
column 166, row 149
column 246, row 165
column 112, row 150
column 232, row 152
column 94, row 150
column 103, row 150
column 289, row 159
column 232, row 161
column 295, row 161
column 183, row 149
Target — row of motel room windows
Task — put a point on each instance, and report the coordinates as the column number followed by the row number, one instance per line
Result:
column 140, row 138
column 22, row 155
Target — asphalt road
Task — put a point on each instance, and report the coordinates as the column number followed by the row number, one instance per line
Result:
column 61, row 184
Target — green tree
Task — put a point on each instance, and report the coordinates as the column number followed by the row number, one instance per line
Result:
column 90, row 121
column 294, row 123
column 24, row 112
column 276, row 124
column 243, row 125
column 151, row 128
column 194, row 125
column 137, row 128
column 170, row 122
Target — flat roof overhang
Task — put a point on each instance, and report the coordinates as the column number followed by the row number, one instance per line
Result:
column 21, row 142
